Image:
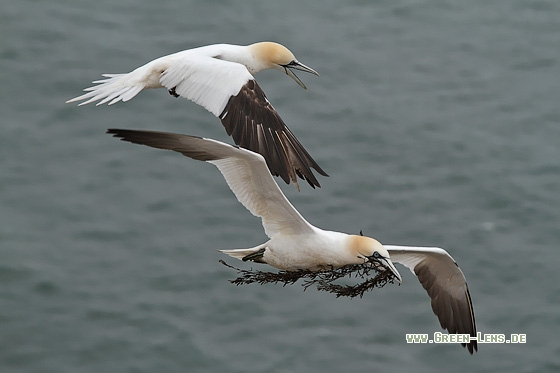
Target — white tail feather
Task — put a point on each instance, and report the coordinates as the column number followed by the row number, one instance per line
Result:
column 240, row 253
column 112, row 90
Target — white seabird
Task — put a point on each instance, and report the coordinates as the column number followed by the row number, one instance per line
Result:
column 220, row 78
column 296, row 244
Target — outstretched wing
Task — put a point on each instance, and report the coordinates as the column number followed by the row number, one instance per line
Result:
column 255, row 125
column 205, row 80
column 227, row 90
column 446, row 285
column 230, row 92
column 245, row 172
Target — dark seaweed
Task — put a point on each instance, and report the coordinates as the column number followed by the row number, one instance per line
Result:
column 323, row 279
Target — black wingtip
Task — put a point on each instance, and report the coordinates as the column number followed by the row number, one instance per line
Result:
column 118, row 133
column 254, row 124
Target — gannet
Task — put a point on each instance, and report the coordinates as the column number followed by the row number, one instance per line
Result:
column 296, row 244
column 220, row 78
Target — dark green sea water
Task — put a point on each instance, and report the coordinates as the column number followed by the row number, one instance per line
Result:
column 438, row 122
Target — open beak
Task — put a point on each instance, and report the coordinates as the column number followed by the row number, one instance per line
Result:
column 301, row 67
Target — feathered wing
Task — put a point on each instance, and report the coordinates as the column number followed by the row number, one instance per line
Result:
column 254, row 124
column 245, row 172
column 207, row 81
column 446, row 285
column 227, row 90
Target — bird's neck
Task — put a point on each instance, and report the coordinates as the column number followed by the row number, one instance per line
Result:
column 243, row 55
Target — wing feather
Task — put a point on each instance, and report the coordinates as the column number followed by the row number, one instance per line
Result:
column 446, row 285
column 207, row 81
column 227, row 90
column 245, row 172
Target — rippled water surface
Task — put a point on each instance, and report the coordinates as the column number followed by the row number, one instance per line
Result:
column 438, row 122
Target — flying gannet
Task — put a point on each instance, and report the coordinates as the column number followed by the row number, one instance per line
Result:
column 220, row 78
column 296, row 244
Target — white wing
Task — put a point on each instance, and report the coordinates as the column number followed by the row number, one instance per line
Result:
column 445, row 283
column 227, row 90
column 245, row 172
column 207, row 81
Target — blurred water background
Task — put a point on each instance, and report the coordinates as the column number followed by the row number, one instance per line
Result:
column 438, row 122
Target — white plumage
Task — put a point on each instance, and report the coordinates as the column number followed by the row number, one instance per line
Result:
column 296, row 244
column 220, row 78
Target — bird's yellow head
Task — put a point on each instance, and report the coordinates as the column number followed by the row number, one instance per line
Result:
column 277, row 56
column 372, row 251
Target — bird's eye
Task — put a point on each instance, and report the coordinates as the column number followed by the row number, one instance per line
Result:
column 292, row 63
column 376, row 255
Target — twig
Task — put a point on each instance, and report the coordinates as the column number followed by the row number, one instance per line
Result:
column 324, row 279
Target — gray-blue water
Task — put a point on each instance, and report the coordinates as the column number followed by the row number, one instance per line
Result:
column 438, row 122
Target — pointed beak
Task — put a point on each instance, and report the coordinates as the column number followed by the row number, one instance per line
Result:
column 387, row 263
column 301, row 67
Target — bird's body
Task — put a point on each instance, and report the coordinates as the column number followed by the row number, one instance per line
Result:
column 221, row 69
column 314, row 251
column 296, row 244
column 220, row 78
